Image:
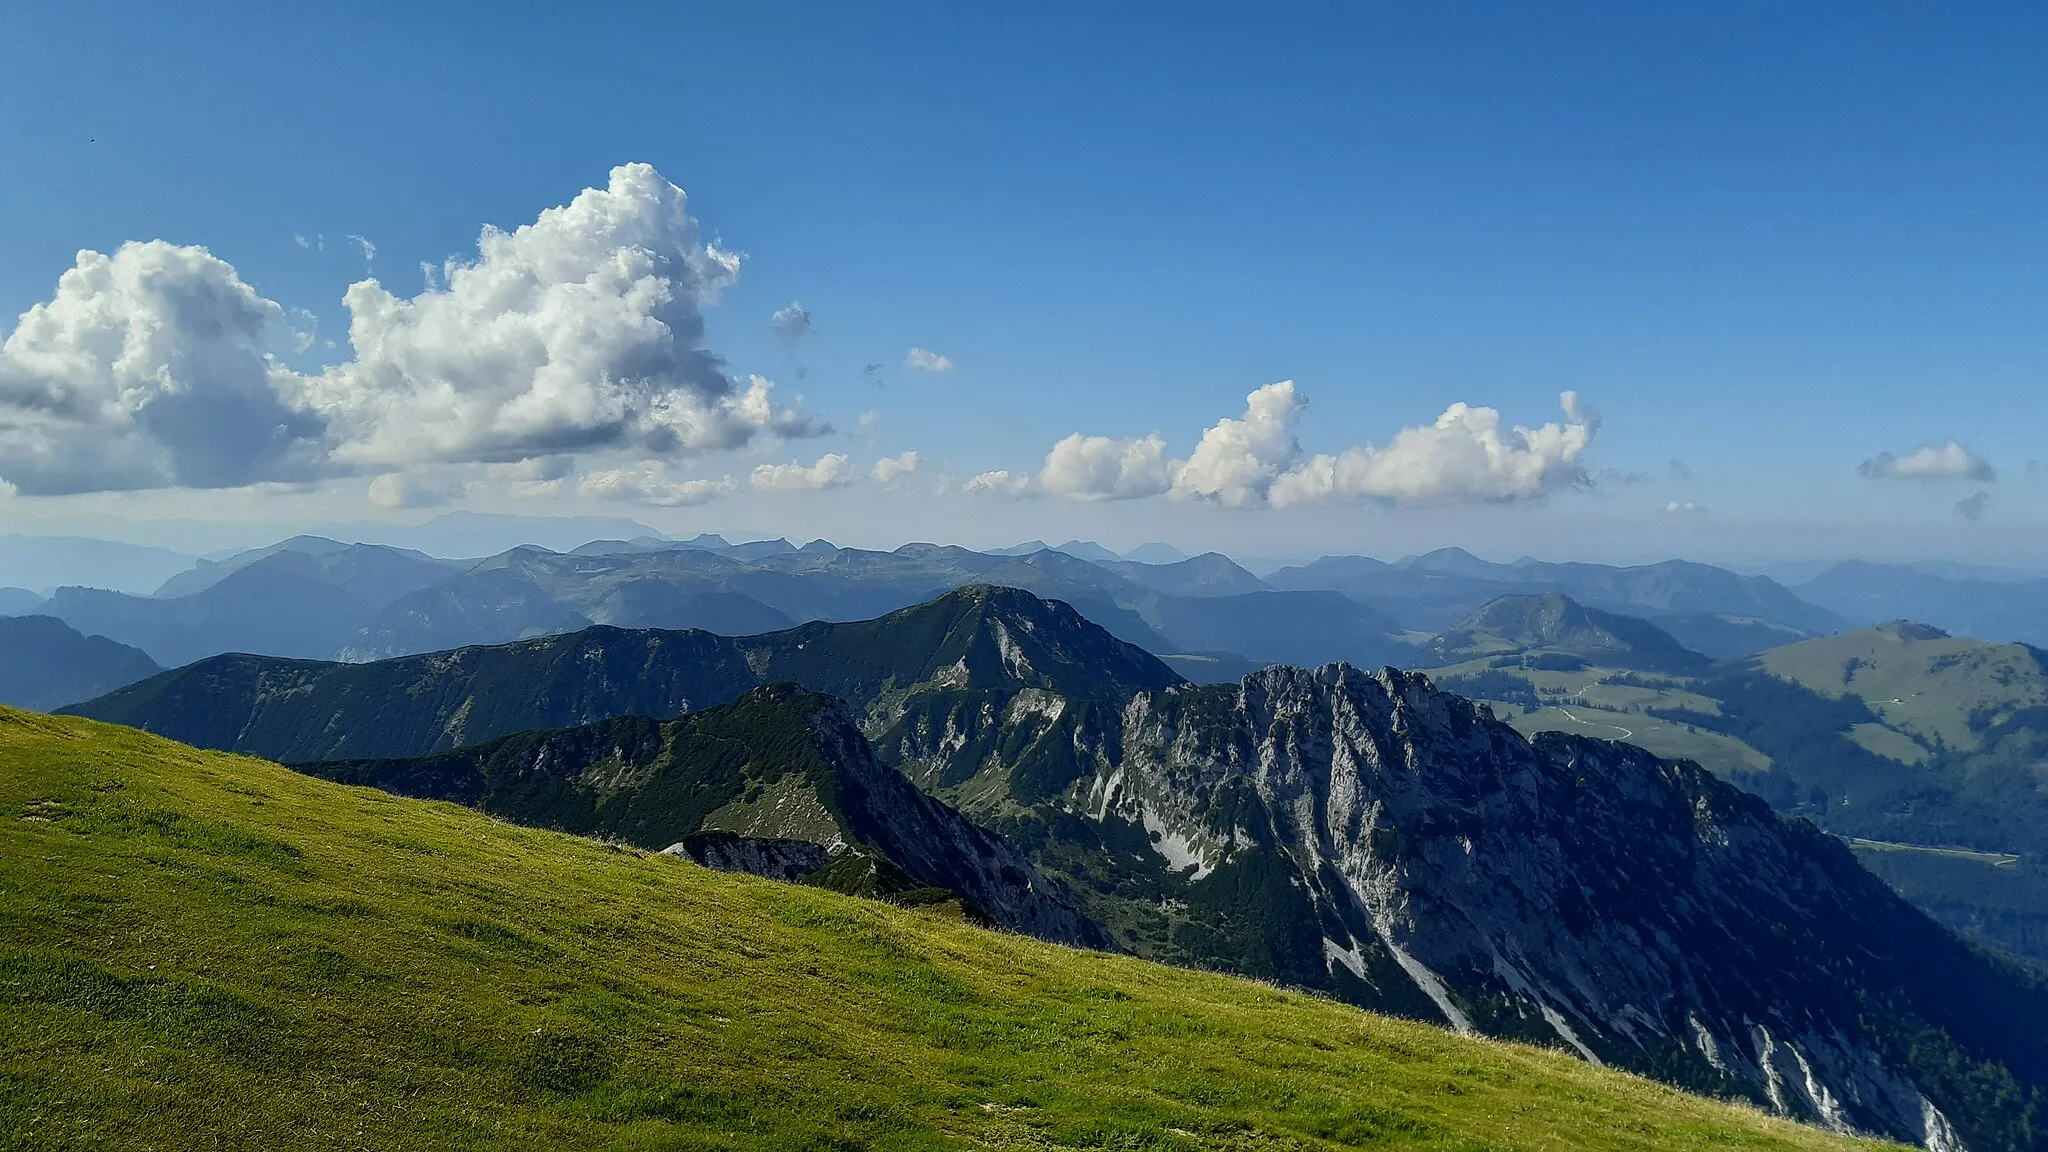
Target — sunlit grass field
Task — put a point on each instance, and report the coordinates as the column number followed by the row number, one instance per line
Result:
column 205, row 951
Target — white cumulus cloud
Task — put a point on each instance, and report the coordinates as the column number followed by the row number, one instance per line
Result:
column 581, row 331
column 1100, row 468
column 1947, row 460
column 1255, row 460
column 150, row 368
column 888, row 470
column 1466, row 456
column 1237, row 460
column 791, row 322
column 832, row 470
column 922, row 360
column 1683, row 507
column 648, row 482
column 999, row 481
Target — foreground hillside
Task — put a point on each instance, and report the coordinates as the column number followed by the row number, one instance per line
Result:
column 200, row 950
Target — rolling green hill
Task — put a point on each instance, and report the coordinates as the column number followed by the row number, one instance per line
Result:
column 1938, row 689
column 204, row 950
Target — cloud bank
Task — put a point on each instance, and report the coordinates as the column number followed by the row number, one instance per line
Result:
column 582, row 331
column 832, row 470
column 999, row 482
column 1255, row 460
column 1465, row 457
column 648, row 482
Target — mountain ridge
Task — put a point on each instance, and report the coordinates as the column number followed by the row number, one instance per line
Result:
column 45, row 663
column 776, row 768
column 311, row 710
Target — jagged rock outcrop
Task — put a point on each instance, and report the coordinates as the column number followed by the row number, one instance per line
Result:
column 1395, row 845
column 786, row 860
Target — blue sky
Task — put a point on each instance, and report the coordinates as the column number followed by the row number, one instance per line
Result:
column 1766, row 241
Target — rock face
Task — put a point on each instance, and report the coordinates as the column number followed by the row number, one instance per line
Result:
column 780, row 783
column 1396, row 846
column 786, row 860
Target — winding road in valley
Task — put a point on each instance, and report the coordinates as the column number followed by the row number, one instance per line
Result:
column 1626, row 734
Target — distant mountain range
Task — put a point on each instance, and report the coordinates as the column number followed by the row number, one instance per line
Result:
column 299, row 710
column 45, row 663
column 1926, row 750
column 1967, row 605
column 19, row 602
column 37, row 563
column 1431, row 592
column 312, row 597
column 1368, row 836
column 307, row 597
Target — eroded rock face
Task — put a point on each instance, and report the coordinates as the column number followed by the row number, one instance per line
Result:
column 933, row 843
column 785, row 860
column 1397, row 846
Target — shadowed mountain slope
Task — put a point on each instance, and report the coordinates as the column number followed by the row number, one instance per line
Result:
column 45, row 663
column 778, row 782
column 974, row 639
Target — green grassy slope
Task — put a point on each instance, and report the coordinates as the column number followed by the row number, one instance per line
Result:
column 1606, row 702
column 1919, row 681
column 202, row 950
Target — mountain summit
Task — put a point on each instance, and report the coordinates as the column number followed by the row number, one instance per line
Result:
column 1555, row 623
